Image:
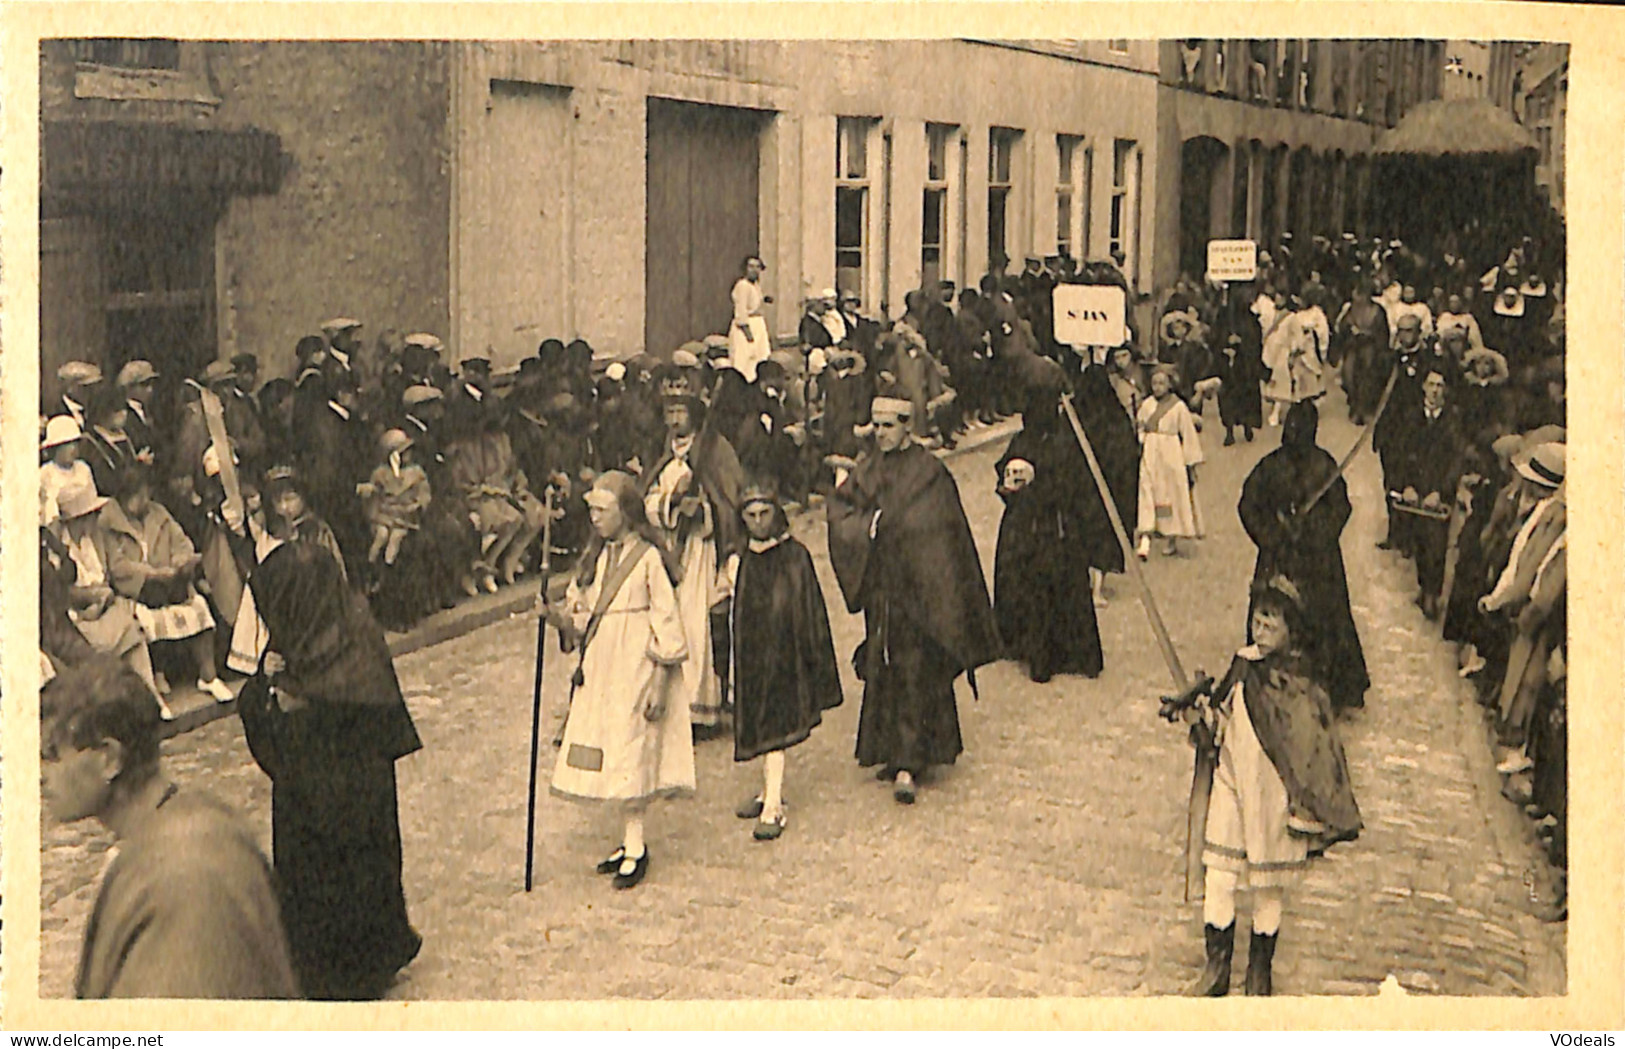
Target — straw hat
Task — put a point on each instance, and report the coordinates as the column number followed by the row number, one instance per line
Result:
column 62, row 429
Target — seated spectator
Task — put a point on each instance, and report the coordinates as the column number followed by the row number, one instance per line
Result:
column 65, row 468
column 106, row 618
column 395, row 497
column 151, row 561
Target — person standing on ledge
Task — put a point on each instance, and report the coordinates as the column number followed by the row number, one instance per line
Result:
column 748, row 340
column 904, row 556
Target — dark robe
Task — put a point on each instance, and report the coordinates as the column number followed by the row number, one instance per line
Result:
column 1429, row 458
column 765, row 450
column 785, row 674
column 1309, row 553
column 187, row 909
column 1292, row 718
column 335, row 826
column 1241, row 402
column 847, row 398
column 920, row 586
column 1117, row 450
column 1041, row 592
column 110, row 461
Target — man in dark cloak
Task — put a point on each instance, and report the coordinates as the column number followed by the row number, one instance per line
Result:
column 1041, row 571
column 336, row 455
column 904, row 556
column 1305, row 548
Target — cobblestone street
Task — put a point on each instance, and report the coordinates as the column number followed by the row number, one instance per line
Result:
column 1047, row 862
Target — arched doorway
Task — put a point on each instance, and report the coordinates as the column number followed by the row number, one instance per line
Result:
column 1200, row 161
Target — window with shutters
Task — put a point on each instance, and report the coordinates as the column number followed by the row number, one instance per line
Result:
column 1071, row 196
column 852, row 196
column 1001, row 165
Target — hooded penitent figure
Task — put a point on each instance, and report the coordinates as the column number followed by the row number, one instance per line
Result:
column 904, row 556
column 1117, row 450
column 1305, row 548
column 1041, row 590
column 327, row 728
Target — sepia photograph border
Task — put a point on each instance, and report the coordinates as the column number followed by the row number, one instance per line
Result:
column 1595, row 173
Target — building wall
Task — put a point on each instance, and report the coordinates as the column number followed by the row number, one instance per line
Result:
column 360, row 226
column 1323, row 103
column 802, row 89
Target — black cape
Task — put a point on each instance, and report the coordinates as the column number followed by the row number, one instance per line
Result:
column 335, row 825
column 1117, row 450
column 927, row 619
column 785, row 674
column 1313, row 560
column 1041, row 591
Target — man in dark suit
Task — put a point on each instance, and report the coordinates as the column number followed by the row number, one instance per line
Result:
column 1428, row 464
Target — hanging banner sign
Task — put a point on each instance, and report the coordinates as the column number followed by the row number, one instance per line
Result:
column 1090, row 315
column 1232, row 260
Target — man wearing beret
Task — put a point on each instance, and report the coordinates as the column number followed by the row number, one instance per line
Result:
column 79, row 380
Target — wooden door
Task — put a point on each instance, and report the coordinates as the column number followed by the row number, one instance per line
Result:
column 702, row 218
column 73, row 323
column 514, row 283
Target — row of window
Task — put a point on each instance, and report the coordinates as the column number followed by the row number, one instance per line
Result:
column 944, row 211
column 1374, row 81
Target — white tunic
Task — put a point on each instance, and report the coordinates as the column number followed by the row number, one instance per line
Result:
column 748, row 340
column 611, row 751
column 696, row 592
column 1166, row 505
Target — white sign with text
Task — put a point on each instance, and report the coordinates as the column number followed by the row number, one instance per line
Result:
column 1090, row 315
column 1232, row 260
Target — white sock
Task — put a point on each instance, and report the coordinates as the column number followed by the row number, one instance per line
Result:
column 773, row 792
column 1219, row 898
column 633, row 842
column 1267, row 911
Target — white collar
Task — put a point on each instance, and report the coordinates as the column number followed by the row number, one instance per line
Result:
column 1251, row 654
column 138, row 408
column 338, row 409
column 762, row 546
column 339, row 355
column 419, row 423
column 681, row 446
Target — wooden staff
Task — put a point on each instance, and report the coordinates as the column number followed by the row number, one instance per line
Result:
column 1359, row 442
column 536, row 694
column 1207, row 755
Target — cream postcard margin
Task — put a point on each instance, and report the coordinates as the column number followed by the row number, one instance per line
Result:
column 1596, row 268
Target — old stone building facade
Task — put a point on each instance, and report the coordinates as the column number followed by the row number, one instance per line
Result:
column 1265, row 137
column 503, row 193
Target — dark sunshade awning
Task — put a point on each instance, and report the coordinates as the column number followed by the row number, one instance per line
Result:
column 78, row 155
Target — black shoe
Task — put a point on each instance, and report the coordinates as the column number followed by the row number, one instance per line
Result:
column 1260, row 953
column 885, row 774
column 612, row 863
column 640, row 867
column 1229, row 438
column 750, row 809
column 903, row 793
column 769, row 830
column 1040, row 675
column 1248, row 433
column 1221, row 947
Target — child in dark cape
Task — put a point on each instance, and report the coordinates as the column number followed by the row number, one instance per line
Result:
column 784, row 670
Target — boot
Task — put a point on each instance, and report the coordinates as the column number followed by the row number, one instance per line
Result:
column 1221, row 947
column 1260, row 953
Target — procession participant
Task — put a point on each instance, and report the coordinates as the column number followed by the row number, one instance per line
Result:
column 1171, row 451
column 1430, row 463
column 785, row 674
column 626, row 738
column 79, row 380
column 616, row 445
column 1481, row 397
column 1306, row 549
column 749, row 342
column 769, row 438
column 1281, row 790
column 324, row 719
column 151, row 561
column 970, row 370
column 1041, row 568
column 105, row 617
column 1189, row 355
column 1387, row 437
column 1130, row 381
column 904, row 556
column 186, row 908
column 691, row 497
column 1456, row 317
column 136, row 381
column 848, row 390
column 290, row 519
column 1282, row 340
column 1116, row 445
column 1240, row 401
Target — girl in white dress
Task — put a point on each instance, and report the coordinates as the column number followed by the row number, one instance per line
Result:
column 1172, row 451
column 627, row 737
